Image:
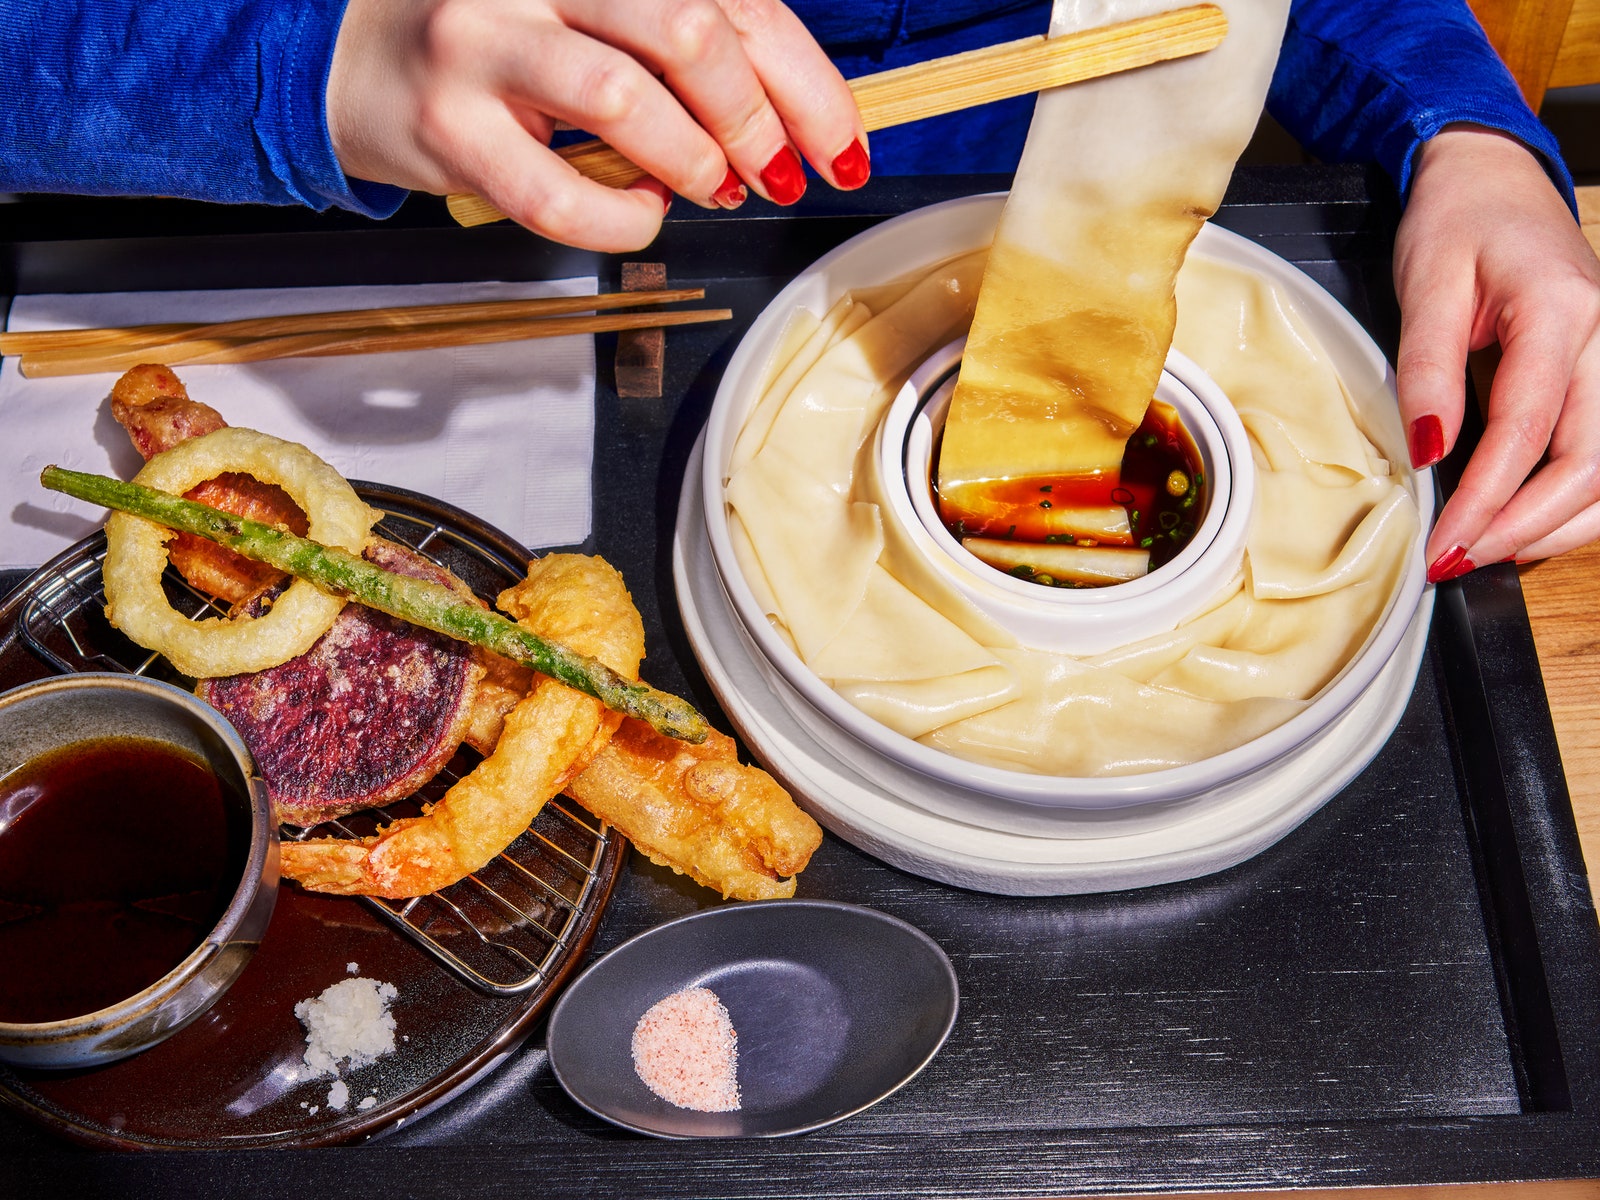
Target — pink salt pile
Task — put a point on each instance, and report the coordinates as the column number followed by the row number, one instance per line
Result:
column 686, row 1052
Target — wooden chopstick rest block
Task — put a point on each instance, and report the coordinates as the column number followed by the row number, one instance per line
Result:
column 641, row 353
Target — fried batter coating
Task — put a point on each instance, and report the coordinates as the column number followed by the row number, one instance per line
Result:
column 151, row 403
column 691, row 808
column 697, row 810
column 503, row 684
column 548, row 738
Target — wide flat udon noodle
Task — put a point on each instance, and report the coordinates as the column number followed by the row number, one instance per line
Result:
column 1076, row 310
column 817, row 543
column 1332, row 536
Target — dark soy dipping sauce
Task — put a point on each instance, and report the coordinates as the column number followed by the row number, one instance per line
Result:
column 117, row 857
column 1162, row 523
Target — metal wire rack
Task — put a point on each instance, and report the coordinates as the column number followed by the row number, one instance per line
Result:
column 504, row 930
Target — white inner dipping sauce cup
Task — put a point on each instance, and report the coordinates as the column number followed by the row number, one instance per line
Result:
column 1076, row 620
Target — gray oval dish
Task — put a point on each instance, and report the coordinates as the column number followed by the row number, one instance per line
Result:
column 835, row 1007
column 39, row 717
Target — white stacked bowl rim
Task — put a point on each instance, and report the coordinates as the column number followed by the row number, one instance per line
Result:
column 917, row 241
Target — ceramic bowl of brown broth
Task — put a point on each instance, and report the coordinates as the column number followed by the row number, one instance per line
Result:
column 138, row 866
column 998, row 796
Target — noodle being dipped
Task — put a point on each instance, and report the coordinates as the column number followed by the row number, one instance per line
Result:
column 1087, row 284
column 1077, row 309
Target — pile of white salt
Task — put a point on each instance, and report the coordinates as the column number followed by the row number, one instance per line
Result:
column 686, row 1051
column 349, row 1025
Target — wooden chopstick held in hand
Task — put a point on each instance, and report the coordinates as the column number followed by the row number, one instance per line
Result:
column 946, row 85
column 414, row 316
column 93, row 359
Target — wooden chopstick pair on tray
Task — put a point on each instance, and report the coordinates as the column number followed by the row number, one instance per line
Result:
column 888, row 98
column 363, row 331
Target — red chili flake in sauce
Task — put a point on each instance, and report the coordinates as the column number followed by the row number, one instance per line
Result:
column 686, row 1052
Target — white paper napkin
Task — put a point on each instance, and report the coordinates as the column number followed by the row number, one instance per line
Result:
column 505, row 432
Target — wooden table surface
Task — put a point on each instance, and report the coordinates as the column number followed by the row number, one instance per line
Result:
column 1560, row 595
column 1561, row 599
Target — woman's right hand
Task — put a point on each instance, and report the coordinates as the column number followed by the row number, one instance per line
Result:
column 707, row 96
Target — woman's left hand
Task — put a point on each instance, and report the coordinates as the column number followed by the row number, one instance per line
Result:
column 1488, row 252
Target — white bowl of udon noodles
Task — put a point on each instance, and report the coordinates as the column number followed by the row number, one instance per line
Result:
column 885, row 665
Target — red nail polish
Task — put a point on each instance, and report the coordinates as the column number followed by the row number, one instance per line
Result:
column 783, row 177
column 1427, row 441
column 730, row 192
column 1452, row 564
column 852, row 168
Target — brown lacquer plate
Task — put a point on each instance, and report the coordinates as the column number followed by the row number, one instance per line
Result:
column 474, row 968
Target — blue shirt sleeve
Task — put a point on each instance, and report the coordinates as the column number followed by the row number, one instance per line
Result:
column 219, row 100
column 866, row 36
column 1357, row 80
column 1373, row 80
column 225, row 100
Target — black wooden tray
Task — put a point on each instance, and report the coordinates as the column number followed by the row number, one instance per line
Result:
column 1403, row 991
